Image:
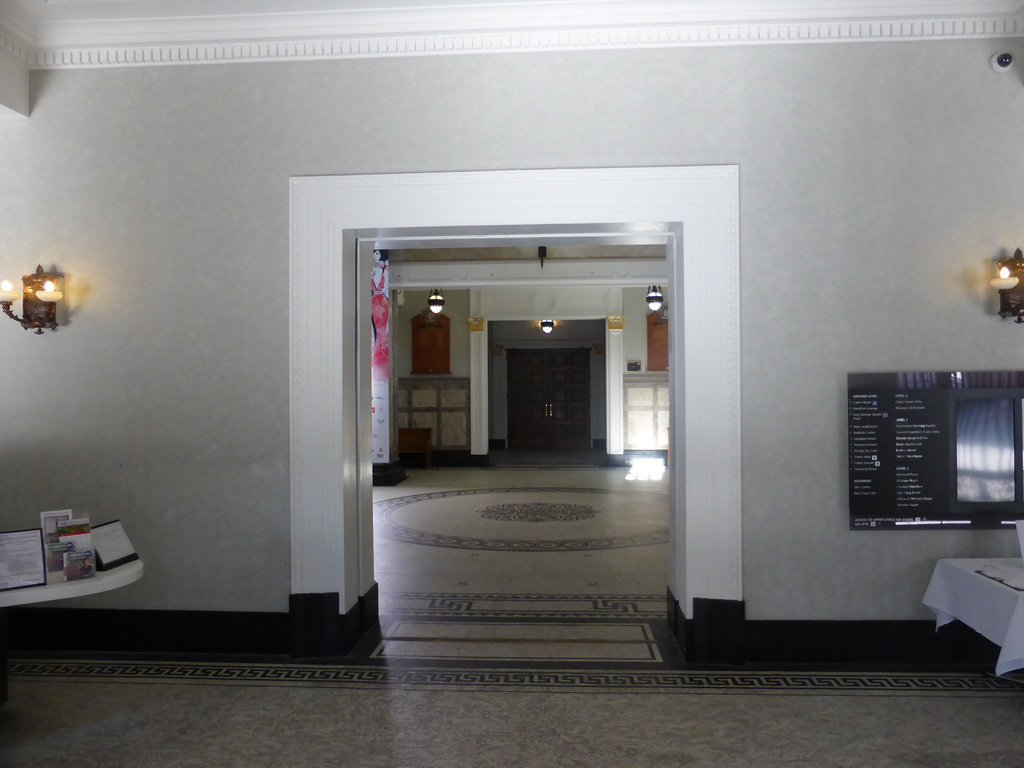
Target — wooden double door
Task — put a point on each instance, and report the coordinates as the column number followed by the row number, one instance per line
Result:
column 548, row 398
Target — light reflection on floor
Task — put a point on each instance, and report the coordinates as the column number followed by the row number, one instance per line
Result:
column 646, row 469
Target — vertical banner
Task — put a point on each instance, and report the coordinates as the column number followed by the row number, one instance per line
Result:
column 381, row 321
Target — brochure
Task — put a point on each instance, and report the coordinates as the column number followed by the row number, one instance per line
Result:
column 21, row 559
column 79, row 565
column 79, row 554
column 48, row 522
column 75, row 534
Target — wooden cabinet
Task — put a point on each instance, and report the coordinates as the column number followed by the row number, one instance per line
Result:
column 657, row 341
column 431, row 344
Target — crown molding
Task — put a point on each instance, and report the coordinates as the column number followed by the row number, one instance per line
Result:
column 56, row 41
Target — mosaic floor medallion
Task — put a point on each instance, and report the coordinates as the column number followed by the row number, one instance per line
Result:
column 537, row 512
column 456, row 519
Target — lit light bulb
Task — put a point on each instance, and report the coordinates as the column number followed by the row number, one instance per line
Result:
column 49, row 292
column 1004, row 281
column 655, row 298
column 7, row 292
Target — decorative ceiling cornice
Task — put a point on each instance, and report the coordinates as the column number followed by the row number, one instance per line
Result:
column 46, row 35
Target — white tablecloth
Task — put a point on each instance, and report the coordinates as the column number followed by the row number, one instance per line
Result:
column 994, row 610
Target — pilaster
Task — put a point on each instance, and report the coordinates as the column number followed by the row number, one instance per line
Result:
column 615, row 362
column 478, row 410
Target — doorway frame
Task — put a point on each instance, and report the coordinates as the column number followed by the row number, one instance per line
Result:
column 330, row 461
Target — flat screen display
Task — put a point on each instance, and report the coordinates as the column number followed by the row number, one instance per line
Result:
column 935, row 449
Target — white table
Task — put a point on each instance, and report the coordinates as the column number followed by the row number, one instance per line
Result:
column 994, row 610
column 103, row 581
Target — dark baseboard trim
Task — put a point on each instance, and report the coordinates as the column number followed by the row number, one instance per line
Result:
column 718, row 632
column 866, row 642
column 599, row 444
column 369, row 609
column 312, row 628
column 445, row 459
column 390, row 473
column 91, row 630
column 316, row 628
column 3, row 655
column 350, row 628
column 677, row 623
column 320, row 631
column 497, row 444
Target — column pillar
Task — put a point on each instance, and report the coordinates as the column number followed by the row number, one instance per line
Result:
column 479, row 438
column 615, row 362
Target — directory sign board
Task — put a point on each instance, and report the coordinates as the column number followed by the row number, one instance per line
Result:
column 935, row 449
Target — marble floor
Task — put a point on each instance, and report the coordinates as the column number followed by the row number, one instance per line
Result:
column 522, row 625
column 523, row 564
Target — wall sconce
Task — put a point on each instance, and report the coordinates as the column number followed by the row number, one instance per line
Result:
column 436, row 301
column 1011, row 292
column 547, row 325
column 654, row 298
column 39, row 297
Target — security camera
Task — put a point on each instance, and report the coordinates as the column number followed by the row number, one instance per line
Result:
column 1001, row 62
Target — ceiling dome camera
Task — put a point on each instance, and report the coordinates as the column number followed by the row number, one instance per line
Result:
column 1001, row 62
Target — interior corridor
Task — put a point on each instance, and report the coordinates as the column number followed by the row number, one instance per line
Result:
column 527, row 563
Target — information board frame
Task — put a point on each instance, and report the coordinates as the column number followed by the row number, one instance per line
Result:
column 911, row 464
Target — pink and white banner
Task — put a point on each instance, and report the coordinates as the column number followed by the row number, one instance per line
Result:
column 379, row 387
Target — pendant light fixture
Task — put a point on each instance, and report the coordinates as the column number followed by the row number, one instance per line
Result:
column 436, row 301
column 654, row 298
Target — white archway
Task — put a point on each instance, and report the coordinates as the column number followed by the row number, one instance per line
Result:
column 330, row 458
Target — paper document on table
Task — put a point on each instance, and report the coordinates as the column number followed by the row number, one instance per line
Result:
column 1010, row 575
column 112, row 545
column 21, row 559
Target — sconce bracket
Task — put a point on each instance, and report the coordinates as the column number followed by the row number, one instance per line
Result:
column 36, row 314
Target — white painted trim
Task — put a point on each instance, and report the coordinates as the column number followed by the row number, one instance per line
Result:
column 702, row 203
column 559, row 299
column 460, row 28
column 603, row 272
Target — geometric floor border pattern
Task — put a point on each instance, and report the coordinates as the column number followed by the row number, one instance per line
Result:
column 525, row 606
column 549, row 680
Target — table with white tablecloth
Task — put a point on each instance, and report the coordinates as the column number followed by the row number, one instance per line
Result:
column 957, row 591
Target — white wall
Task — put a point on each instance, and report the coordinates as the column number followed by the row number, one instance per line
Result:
column 877, row 182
